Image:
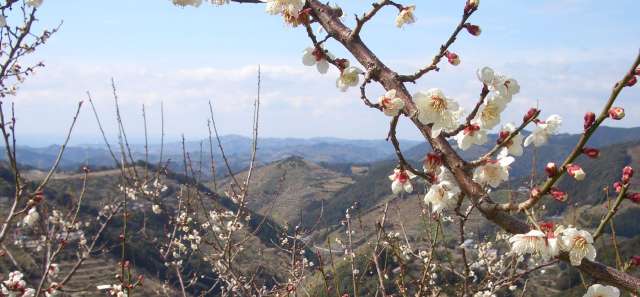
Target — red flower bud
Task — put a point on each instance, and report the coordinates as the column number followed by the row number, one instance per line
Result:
column 471, row 5
column 547, row 227
column 617, row 186
column 558, row 194
column 432, row 162
column 627, row 174
column 533, row 112
column 551, row 169
column 616, row 113
column 589, row 119
column 502, row 136
column 635, row 260
column 635, row 197
column 576, row 171
column 453, row 58
column 473, row 29
column 590, row 152
column 632, row 81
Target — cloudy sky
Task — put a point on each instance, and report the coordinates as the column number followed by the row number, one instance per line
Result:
column 566, row 54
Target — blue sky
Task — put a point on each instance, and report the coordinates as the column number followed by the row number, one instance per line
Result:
column 566, row 54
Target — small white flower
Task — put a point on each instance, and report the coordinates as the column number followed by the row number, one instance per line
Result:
column 391, row 105
column 442, row 195
column 182, row 3
column 434, row 108
column 532, row 242
column 514, row 146
column 156, row 209
column 599, row 290
column 489, row 114
column 406, row 16
column 471, row 135
column 543, row 131
column 485, row 75
column 349, row 77
column 401, row 181
column 494, row 172
column 37, row 3
column 31, row 218
column 579, row 244
column 286, row 7
column 314, row 56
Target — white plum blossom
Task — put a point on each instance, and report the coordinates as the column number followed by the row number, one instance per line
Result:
column 31, row 218
column 514, row 146
column 406, row 16
column 349, row 77
column 493, row 172
column 156, row 209
column 314, row 56
column 578, row 243
column 287, row 7
column 486, row 75
column 443, row 194
column 183, row 3
column 434, row 108
column 543, row 131
column 533, row 242
column 391, row 105
column 489, row 114
column 401, row 181
column 37, row 3
column 471, row 135
column 599, row 290
column 13, row 283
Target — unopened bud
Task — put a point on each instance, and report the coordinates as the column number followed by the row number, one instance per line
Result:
column 635, row 197
column 432, row 162
column 535, row 192
column 551, row 169
column 576, row 171
column 637, row 72
column 504, row 134
column 471, row 5
column 616, row 113
column 558, row 195
column 473, row 29
column 531, row 113
column 453, row 58
column 589, row 119
column 590, row 152
column 635, row 260
column 617, row 186
column 632, row 81
column 627, row 174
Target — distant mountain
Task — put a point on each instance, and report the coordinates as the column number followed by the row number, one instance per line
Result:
column 237, row 148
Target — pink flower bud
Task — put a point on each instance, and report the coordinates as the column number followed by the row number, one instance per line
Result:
column 576, row 171
column 590, row 152
column 530, row 114
column 617, row 186
column 631, row 82
column 589, row 119
column 559, row 195
column 473, row 29
column 627, row 174
column 535, row 192
column 616, row 113
column 453, row 58
column 635, row 197
column 551, row 169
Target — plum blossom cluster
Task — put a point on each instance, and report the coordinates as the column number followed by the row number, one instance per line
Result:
column 550, row 240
